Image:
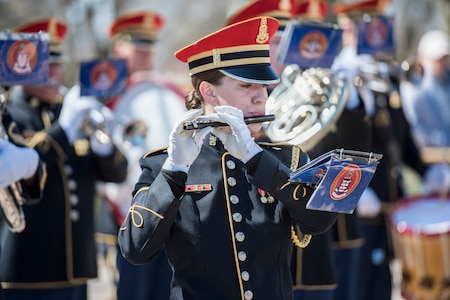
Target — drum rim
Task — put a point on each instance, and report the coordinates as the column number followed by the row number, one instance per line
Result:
column 407, row 228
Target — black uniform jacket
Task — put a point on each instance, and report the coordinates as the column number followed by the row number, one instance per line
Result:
column 57, row 247
column 222, row 240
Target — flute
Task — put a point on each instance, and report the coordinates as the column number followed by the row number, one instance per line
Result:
column 248, row 120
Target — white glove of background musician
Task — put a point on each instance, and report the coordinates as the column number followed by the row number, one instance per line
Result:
column 103, row 121
column 185, row 145
column 239, row 141
column 74, row 112
column 369, row 205
column 16, row 163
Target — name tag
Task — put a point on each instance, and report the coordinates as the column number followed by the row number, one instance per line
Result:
column 198, row 187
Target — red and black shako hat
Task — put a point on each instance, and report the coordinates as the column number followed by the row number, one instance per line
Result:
column 313, row 10
column 140, row 28
column 279, row 9
column 55, row 28
column 240, row 51
column 356, row 8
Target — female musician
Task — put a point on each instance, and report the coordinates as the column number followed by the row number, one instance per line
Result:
column 220, row 204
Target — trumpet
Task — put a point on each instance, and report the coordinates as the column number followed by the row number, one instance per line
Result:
column 11, row 199
column 96, row 125
column 248, row 120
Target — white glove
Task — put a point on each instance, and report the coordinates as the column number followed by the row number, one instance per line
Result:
column 437, row 178
column 184, row 145
column 239, row 141
column 369, row 205
column 100, row 139
column 101, row 143
column 16, row 163
column 74, row 112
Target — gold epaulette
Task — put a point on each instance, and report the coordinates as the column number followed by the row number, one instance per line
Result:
column 155, row 152
column 277, row 146
column 296, row 151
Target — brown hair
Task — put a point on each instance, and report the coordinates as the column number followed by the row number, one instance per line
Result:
column 194, row 98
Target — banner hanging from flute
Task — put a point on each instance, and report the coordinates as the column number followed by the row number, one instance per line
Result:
column 340, row 177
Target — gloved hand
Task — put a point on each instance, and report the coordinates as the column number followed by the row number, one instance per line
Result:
column 437, row 178
column 239, row 141
column 184, row 145
column 369, row 205
column 102, row 121
column 74, row 112
column 101, row 143
column 16, row 163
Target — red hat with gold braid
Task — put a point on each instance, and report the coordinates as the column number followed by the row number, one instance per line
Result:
column 239, row 50
column 56, row 30
column 139, row 27
column 355, row 8
column 313, row 10
column 278, row 9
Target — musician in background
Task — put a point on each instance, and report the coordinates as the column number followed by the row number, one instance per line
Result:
column 317, row 255
column 334, row 253
column 431, row 101
column 145, row 113
column 18, row 165
column 391, row 137
column 60, row 229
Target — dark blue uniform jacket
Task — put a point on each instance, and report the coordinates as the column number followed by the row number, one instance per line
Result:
column 222, row 240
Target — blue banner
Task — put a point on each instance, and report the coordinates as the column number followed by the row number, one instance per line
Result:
column 103, row 78
column 310, row 44
column 340, row 177
column 24, row 58
column 376, row 35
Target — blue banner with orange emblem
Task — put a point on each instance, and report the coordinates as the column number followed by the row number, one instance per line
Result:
column 103, row 78
column 340, row 177
column 310, row 44
column 24, row 58
column 376, row 35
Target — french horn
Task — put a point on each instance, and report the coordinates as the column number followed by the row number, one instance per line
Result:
column 306, row 104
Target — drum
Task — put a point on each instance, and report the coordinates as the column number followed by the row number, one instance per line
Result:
column 420, row 232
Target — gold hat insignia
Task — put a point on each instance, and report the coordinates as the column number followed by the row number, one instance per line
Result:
column 262, row 36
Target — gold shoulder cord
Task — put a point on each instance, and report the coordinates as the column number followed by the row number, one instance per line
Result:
column 306, row 238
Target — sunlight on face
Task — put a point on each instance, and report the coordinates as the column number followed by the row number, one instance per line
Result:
column 138, row 58
column 251, row 98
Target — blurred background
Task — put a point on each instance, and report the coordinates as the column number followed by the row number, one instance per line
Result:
column 185, row 22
